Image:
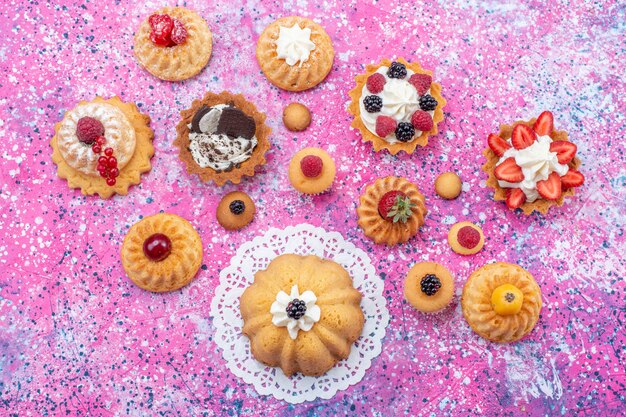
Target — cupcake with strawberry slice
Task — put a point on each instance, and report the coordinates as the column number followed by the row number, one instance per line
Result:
column 531, row 165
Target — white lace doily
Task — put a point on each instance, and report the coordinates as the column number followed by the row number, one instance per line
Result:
column 303, row 239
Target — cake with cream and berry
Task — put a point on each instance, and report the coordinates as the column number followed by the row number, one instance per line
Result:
column 103, row 146
column 173, row 43
column 396, row 105
column 531, row 165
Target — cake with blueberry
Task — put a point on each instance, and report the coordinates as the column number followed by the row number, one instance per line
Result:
column 312, row 171
column 162, row 252
column 173, row 43
column 429, row 287
column 222, row 137
column 391, row 210
column 235, row 210
column 396, row 105
column 302, row 314
column 103, row 146
column 532, row 166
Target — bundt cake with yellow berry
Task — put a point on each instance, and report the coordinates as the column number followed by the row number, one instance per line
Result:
column 302, row 314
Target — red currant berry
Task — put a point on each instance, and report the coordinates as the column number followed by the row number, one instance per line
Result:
column 108, row 151
column 111, row 182
column 112, row 163
column 102, row 161
column 101, row 167
column 114, row 172
column 100, row 140
column 96, row 148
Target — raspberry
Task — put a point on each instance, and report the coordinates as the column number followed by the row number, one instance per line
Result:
column 396, row 70
column 311, row 166
column 376, row 83
column 421, row 82
column 405, row 132
column 88, row 129
column 468, row 237
column 428, row 103
column 162, row 26
column 179, row 32
column 421, row 120
column 373, row 104
column 385, row 126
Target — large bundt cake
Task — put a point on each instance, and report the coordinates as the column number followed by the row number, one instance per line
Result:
column 302, row 314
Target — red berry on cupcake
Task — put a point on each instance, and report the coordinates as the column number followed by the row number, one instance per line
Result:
column 88, row 129
column 376, row 83
column 311, row 166
column 395, row 206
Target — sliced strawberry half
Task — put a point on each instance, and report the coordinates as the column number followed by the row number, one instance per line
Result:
column 550, row 188
column 544, row 125
column 509, row 171
column 498, row 145
column 565, row 151
column 515, row 197
column 572, row 178
column 522, row 137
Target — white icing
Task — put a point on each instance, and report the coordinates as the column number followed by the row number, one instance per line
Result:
column 400, row 101
column 537, row 163
column 294, row 44
column 218, row 151
column 306, row 322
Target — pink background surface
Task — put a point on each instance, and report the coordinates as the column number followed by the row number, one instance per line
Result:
column 78, row 338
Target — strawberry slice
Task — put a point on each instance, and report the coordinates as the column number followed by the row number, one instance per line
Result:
column 509, row 171
column 565, row 151
column 550, row 188
column 572, row 178
column 522, row 137
column 515, row 197
column 498, row 145
column 544, row 125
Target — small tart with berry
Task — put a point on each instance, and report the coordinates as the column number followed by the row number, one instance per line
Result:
column 532, row 166
column 173, row 43
column 391, row 210
column 429, row 287
column 103, row 146
column 235, row 211
column 396, row 105
column 465, row 238
column 222, row 137
column 162, row 252
column 501, row 302
column 295, row 53
column 312, row 171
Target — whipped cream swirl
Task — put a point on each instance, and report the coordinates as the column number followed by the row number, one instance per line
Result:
column 537, row 163
column 280, row 317
column 294, row 44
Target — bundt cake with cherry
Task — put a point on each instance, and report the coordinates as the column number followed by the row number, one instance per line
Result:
column 302, row 314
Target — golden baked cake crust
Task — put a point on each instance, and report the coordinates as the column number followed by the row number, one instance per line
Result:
column 477, row 304
column 179, row 62
column 247, row 167
column 177, row 269
column 328, row 341
column 424, row 302
column 295, row 77
column 385, row 231
column 130, row 174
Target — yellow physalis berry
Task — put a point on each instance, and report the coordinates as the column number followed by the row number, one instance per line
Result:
column 507, row 300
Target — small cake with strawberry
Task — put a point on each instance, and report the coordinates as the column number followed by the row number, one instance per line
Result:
column 173, row 43
column 312, row 171
column 531, row 165
column 396, row 105
column 391, row 210
column 466, row 238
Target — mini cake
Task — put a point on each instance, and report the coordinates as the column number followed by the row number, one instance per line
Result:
column 396, row 106
column 173, row 43
column 465, row 238
column 532, row 166
column 162, row 252
column 296, row 117
column 391, row 210
column 448, row 185
column 222, row 138
column 312, row 171
column 295, row 53
column 302, row 314
column 235, row 210
column 429, row 287
column 103, row 146
column 501, row 302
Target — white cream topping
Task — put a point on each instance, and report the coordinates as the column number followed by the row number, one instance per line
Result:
column 306, row 322
column 294, row 44
column 537, row 163
column 400, row 101
column 218, row 151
